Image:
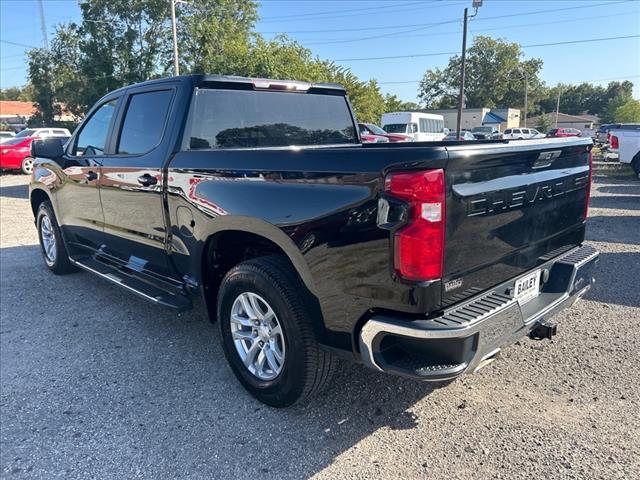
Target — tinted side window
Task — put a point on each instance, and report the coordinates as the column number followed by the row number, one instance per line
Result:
column 93, row 136
column 507, row 131
column 144, row 121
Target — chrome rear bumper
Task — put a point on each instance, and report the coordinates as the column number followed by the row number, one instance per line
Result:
column 468, row 334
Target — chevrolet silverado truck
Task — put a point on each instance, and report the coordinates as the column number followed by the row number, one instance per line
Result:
column 421, row 259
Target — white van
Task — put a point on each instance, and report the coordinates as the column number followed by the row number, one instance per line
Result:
column 423, row 127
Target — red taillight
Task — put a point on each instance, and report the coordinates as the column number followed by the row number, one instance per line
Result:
column 419, row 246
column 615, row 143
column 588, row 193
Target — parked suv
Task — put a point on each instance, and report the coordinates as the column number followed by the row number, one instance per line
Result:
column 44, row 132
column 521, row 133
column 417, row 259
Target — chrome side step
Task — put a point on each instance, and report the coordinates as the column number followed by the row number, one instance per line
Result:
column 129, row 281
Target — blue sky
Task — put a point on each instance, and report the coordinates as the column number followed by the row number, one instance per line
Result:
column 342, row 30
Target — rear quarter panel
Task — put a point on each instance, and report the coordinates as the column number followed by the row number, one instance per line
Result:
column 319, row 205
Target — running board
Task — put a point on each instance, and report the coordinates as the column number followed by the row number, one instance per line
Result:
column 130, row 282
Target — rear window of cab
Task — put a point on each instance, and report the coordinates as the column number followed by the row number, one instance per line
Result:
column 222, row 118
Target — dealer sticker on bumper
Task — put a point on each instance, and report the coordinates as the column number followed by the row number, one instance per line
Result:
column 527, row 288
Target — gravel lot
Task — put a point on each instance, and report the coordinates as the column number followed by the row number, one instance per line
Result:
column 96, row 383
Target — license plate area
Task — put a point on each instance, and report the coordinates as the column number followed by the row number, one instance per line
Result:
column 527, row 288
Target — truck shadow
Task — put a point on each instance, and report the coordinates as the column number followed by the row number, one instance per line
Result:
column 162, row 382
column 627, row 202
column 15, row 191
column 613, row 275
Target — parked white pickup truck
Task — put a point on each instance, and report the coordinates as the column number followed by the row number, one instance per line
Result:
column 626, row 143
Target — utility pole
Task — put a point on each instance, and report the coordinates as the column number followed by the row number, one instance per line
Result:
column 176, row 66
column 43, row 26
column 476, row 4
column 557, row 106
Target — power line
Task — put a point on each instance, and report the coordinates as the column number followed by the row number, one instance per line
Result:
column 433, row 54
column 457, row 32
column 18, row 44
column 315, row 15
column 593, row 80
column 389, row 27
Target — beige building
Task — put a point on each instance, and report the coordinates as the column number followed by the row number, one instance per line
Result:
column 500, row 118
column 581, row 122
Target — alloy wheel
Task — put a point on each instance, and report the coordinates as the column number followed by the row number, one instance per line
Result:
column 257, row 335
column 48, row 238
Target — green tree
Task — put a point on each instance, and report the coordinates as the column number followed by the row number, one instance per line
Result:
column 629, row 112
column 544, row 123
column 393, row 104
column 588, row 98
column 495, row 77
column 120, row 42
column 40, row 76
column 21, row 94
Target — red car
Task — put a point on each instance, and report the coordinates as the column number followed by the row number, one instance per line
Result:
column 367, row 138
column 15, row 154
column 564, row 132
column 371, row 129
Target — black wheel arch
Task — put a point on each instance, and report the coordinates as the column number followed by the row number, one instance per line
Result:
column 240, row 241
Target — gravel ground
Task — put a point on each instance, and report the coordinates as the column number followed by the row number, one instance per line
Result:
column 96, row 383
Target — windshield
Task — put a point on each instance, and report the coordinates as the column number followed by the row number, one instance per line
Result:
column 482, row 129
column 395, row 128
column 375, row 129
column 14, row 141
column 250, row 119
column 27, row 132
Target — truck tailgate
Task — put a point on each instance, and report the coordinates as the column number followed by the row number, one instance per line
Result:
column 510, row 208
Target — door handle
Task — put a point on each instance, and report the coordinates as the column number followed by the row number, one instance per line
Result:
column 147, row 180
column 90, row 176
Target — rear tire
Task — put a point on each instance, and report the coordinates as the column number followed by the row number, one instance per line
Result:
column 635, row 164
column 54, row 251
column 303, row 368
column 27, row 165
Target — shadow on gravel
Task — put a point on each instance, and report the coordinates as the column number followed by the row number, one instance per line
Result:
column 121, row 376
column 616, row 202
column 614, row 229
column 621, row 189
column 15, row 191
column 616, row 279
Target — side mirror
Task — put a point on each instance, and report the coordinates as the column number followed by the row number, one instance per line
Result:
column 48, row 148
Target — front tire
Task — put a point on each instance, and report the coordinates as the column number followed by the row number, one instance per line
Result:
column 27, row 165
column 54, row 251
column 265, row 324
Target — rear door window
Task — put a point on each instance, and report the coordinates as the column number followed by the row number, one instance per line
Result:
column 144, row 121
column 223, row 118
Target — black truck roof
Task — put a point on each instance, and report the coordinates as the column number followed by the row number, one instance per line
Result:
column 196, row 80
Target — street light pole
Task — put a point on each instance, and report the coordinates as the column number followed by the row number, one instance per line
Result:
column 462, row 72
column 476, row 4
column 526, row 88
column 557, row 107
column 176, row 66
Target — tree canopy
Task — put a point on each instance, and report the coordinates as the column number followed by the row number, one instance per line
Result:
column 119, row 42
column 495, row 76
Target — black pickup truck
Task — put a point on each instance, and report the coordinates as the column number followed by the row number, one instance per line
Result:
column 418, row 259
